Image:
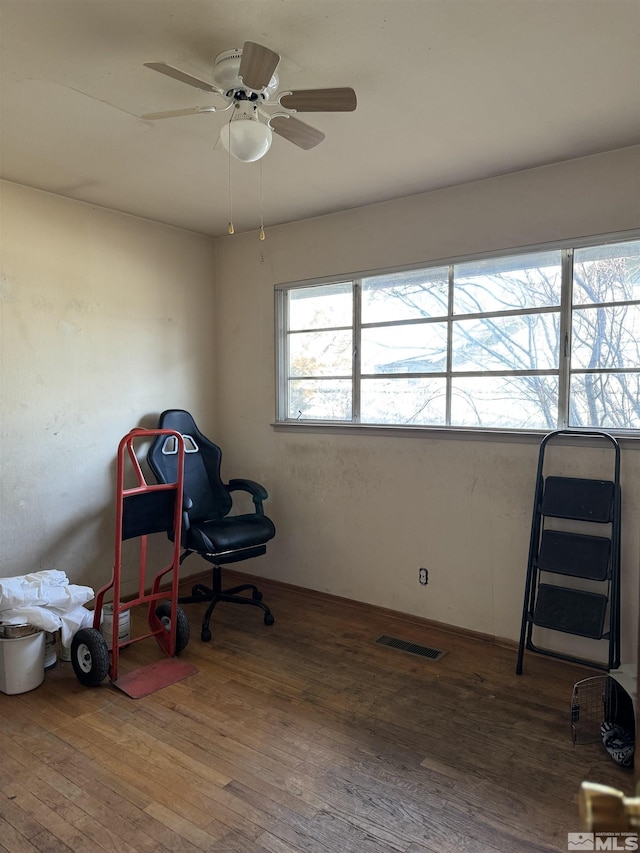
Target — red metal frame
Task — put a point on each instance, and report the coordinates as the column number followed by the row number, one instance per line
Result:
column 165, row 639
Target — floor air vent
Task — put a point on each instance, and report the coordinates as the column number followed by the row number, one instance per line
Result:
column 413, row 648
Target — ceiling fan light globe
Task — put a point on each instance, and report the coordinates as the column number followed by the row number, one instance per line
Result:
column 247, row 140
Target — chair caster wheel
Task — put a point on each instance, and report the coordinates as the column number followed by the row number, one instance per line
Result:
column 256, row 595
column 205, row 635
column 268, row 619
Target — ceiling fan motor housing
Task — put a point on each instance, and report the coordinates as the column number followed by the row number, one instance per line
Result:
column 226, row 75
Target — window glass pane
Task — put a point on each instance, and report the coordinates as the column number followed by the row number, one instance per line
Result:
column 606, row 273
column 605, row 401
column 502, row 284
column 405, row 295
column 512, row 402
column 320, row 353
column 606, row 337
column 321, row 307
column 529, row 342
column 320, row 399
column 403, row 401
column 405, row 349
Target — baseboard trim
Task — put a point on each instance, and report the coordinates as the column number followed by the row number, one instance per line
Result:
column 362, row 606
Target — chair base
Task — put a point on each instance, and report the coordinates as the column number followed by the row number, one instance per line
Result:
column 215, row 594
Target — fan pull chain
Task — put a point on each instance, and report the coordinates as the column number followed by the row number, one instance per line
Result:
column 261, row 204
column 230, row 228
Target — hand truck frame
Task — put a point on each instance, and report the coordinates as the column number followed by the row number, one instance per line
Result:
column 141, row 510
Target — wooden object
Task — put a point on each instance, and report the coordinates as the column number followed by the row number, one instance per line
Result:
column 605, row 809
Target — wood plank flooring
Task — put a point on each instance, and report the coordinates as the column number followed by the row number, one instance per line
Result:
column 303, row 736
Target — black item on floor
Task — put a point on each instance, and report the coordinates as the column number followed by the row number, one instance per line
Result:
column 588, row 603
column 602, row 710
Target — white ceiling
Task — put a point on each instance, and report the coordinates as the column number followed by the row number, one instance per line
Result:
column 448, row 91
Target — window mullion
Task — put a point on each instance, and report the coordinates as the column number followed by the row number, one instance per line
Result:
column 356, row 362
column 566, row 298
column 449, row 367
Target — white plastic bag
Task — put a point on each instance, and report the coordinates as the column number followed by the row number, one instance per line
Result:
column 45, row 600
column 34, row 588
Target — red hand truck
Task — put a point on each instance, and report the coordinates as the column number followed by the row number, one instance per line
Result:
column 141, row 510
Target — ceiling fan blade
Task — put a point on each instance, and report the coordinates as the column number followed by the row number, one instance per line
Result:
column 296, row 131
column 188, row 111
column 182, row 76
column 320, row 100
column 257, row 65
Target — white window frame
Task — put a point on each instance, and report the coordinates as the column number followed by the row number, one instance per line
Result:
column 565, row 311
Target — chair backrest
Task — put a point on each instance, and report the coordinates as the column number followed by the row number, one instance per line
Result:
column 202, row 482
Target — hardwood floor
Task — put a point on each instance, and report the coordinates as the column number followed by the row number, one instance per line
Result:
column 304, row 736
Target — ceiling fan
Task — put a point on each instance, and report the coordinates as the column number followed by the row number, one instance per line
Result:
column 247, row 82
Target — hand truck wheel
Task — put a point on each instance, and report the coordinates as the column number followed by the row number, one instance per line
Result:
column 163, row 612
column 90, row 656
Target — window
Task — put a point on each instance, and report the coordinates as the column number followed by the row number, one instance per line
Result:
column 537, row 340
column 605, row 336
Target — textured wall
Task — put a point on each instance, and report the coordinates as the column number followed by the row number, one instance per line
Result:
column 358, row 514
column 106, row 320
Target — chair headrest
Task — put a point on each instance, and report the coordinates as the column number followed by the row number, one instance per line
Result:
column 169, row 446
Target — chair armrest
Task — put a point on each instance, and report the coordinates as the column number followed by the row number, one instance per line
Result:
column 257, row 492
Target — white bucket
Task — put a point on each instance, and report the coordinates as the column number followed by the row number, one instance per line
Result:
column 21, row 663
column 50, row 649
column 106, row 626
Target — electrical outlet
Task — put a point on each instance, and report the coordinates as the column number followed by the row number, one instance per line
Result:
column 423, row 576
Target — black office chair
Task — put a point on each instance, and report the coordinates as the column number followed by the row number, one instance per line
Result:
column 208, row 529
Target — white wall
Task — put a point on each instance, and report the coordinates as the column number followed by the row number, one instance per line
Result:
column 357, row 515
column 106, row 320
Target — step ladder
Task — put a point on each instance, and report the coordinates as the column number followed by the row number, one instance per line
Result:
column 587, row 605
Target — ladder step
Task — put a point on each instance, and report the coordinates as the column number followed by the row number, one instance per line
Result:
column 572, row 611
column 574, row 554
column 577, row 498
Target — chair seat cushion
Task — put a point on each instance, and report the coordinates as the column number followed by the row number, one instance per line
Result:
column 230, row 533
